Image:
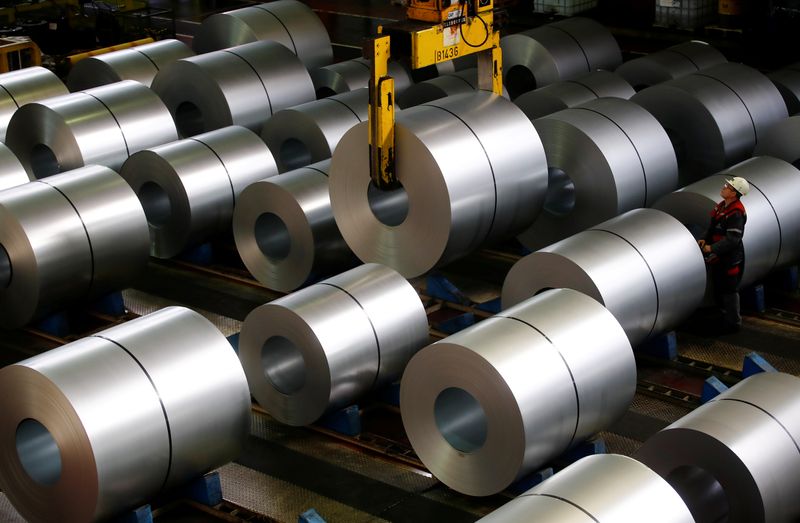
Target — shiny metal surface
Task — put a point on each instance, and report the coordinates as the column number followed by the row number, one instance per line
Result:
column 188, row 188
column 489, row 404
column 787, row 81
column 745, row 443
column 288, row 22
column 324, row 346
column 285, row 232
column 562, row 95
column 11, row 171
column 670, row 63
column 780, row 141
column 354, row 74
column 309, row 132
column 435, row 88
column 464, row 182
column 604, row 488
column 605, row 157
column 25, row 86
column 140, row 63
column 101, row 126
column 664, row 273
column 239, row 86
column 598, row 44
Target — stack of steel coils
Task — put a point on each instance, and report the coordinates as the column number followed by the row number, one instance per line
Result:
column 188, row 188
column 781, row 141
column 18, row 88
column 102, row 126
column 326, row 345
column 670, row 63
column 787, row 80
column 457, row 82
column 354, row 74
column 70, row 237
column 104, row 423
column 489, row 404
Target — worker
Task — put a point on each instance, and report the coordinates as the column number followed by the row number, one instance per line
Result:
column 724, row 252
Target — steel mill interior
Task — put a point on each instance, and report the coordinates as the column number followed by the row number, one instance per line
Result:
column 505, row 261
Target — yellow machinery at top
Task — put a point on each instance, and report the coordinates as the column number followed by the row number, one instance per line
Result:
column 435, row 31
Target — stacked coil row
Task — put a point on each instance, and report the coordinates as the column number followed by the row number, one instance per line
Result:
column 354, row 74
column 670, row 63
column 18, row 88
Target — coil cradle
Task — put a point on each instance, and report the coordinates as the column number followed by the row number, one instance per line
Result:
column 354, row 74
column 472, row 170
column 714, row 117
column 285, row 231
column 563, row 95
column 780, row 141
column 18, row 88
column 554, row 52
column 299, row 361
column 61, row 242
column 167, row 385
column 489, row 404
column 736, row 458
column 60, row 134
column 670, row 63
column 140, row 63
column 787, row 80
column 309, row 132
column 287, row 22
column 664, row 273
column 605, row 488
column 188, row 188
column 243, row 86
column 11, row 171
column 772, row 233
column 605, row 157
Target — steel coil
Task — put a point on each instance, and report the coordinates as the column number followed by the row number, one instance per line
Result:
column 288, row 22
column 102, row 126
column 772, row 233
column 140, row 63
column 736, row 458
column 188, row 188
column 714, row 117
column 71, row 237
column 605, row 157
column 555, row 52
column 644, row 266
column 472, row 170
column 780, row 141
column 604, row 487
column 563, row 95
column 489, row 404
column 435, row 88
column 354, row 74
column 787, row 81
column 11, row 171
column 285, row 232
column 324, row 346
column 18, row 88
column 106, row 422
column 309, row 132
column 670, row 63
column 243, row 86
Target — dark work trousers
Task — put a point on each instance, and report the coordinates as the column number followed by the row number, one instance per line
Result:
column 726, row 294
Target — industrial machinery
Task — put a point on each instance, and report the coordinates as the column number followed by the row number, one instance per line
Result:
column 18, row 52
column 436, row 31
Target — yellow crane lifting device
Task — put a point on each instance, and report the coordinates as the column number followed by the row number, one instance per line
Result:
column 436, row 31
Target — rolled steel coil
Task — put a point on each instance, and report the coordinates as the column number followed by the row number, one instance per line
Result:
column 670, row 63
column 644, row 266
column 102, row 126
column 787, row 81
column 603, row 487
column 772, row 232
column 12, row 173
column 489, row 404
column 288, row 22
column 104, row 423
column 736, row 458
column 309, row 132
column 324, row 346
column 472, row 170
column 714, row 117
column 555, row 52
column 780, row 141
column 354, row 74
column 605, row 157
column 243, row 86
column 439, row 87
column 285, row 232
column 563, row 95
column 188, row 188
column 71, row 237
column 140, row 63
column 18, row 88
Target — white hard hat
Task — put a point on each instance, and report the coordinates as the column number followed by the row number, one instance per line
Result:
column 739, row 185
